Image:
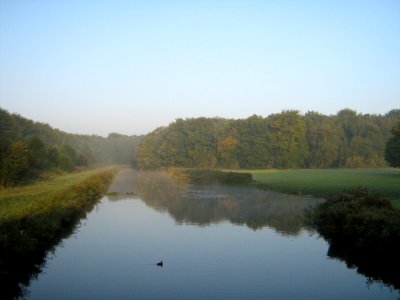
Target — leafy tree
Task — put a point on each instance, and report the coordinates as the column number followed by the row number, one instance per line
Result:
column 254, row 147
column 147, row 154
column 227, row 152
column 37, row 156
column 48, row 148
column 392, row 153
column 284, row 140
column 323, row 140
column 52, row 155
column 15, row 164
column 289, row 143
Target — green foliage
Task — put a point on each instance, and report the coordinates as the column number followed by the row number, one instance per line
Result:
column 185, row 143
column 207, row 176
column 254, row 138
column 37, row 155
column 29, row 149
column 15, row 165
column 284, row 140
column 288, row 140
column 359, row 218
column 26, row 161
column 392, row 152
column 363, row 230
column 323, row 140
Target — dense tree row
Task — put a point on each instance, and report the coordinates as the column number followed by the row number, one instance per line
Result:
column 23, row 161
column 284, row 140
column 27, row 149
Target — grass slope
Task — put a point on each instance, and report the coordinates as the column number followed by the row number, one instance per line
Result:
column 42, row 196
column 327, row 182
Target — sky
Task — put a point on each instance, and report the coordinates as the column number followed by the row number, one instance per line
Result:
column 95, row 67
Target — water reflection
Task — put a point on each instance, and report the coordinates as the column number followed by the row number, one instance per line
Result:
column 123, row 241
column 207, row 204
column 382, row 269
column 24, row 247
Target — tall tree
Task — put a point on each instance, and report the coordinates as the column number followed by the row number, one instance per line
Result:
column 288, row 139
column 392, row 152
column 147, row 154
column 15, row 164
column 37, row 156
column 254, row 147
column 323, row 139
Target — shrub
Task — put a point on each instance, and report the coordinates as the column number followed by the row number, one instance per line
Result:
column 208, row 176
column 359, row 219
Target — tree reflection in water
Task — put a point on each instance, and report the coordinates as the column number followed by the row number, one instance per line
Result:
column 376, row 267
column 207, row 204
column 210, row 204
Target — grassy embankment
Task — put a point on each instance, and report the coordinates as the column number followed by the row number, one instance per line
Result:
column 34, row 218
column 43, row 197
column 328, row 182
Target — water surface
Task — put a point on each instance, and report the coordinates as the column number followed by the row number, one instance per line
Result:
column 216, row 243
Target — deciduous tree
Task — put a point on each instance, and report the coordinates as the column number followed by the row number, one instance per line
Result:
column 392, row 152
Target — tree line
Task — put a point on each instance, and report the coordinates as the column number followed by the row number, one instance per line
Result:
column 283, row 140
column 29, row 149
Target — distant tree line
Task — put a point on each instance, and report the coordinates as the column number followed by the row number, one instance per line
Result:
column 29, row 149
column 284, row 140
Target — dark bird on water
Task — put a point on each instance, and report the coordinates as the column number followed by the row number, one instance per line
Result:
column 160, row 264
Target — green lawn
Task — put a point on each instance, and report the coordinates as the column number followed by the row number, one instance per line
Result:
column 326, row 182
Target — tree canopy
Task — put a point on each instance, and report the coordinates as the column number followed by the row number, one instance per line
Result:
column 28, row 149
column 392, row 151
column 284, row 140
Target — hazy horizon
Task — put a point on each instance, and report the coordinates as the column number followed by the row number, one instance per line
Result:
column 97, row 67
column 166, row 125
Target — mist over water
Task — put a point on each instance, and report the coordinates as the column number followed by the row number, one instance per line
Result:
column 216, row 242
column 207, row 204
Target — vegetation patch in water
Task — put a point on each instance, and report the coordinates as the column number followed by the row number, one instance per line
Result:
column 209, row 176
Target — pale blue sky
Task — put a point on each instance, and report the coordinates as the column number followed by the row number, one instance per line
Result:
column 96, row 67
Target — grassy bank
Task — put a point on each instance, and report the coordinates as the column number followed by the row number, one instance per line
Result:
column 68, row 190
column 328, row 182
column 34, row 218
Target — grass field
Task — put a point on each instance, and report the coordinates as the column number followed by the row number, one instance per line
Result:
column 44, row 195
column 327, row 182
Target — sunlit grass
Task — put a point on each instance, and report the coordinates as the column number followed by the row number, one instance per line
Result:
column 41, row 196
column 325, row 182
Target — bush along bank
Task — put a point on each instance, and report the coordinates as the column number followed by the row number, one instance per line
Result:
column 209, row 176
column 363, row 230
column 26, row 239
